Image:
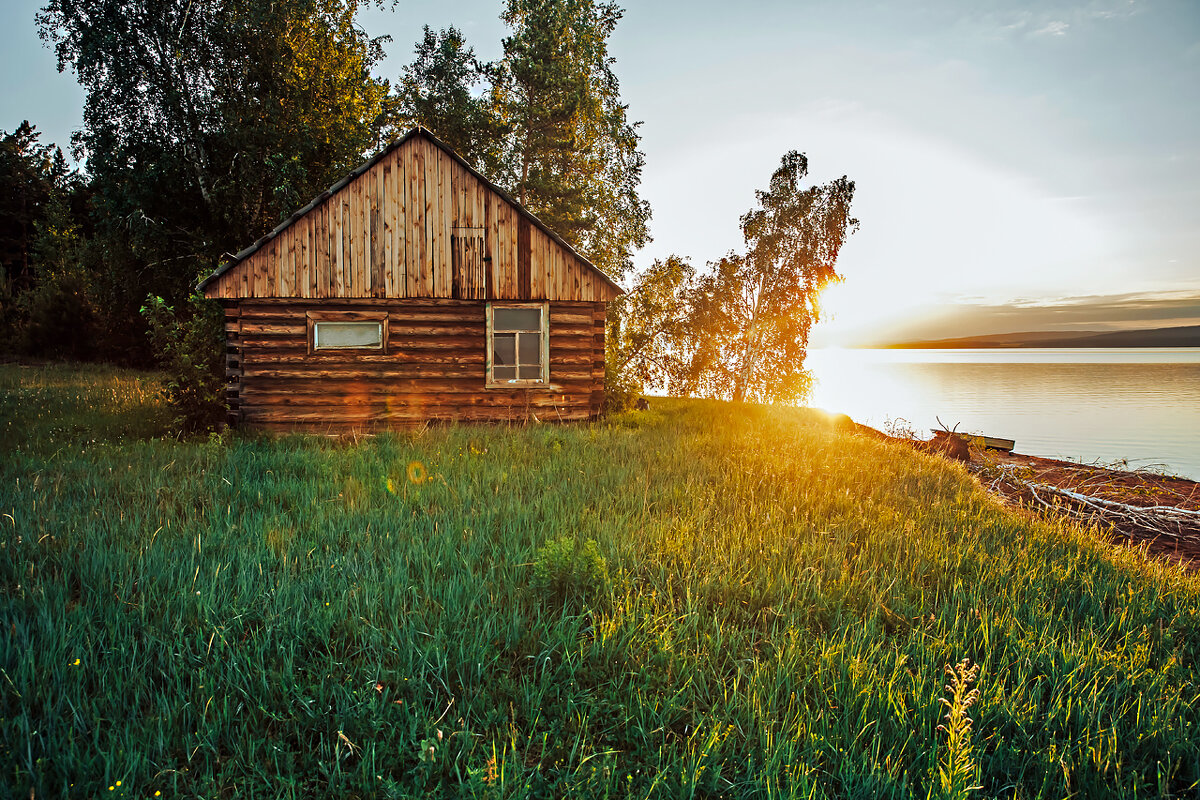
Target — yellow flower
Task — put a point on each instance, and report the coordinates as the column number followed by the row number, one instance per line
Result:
column 157, row 793
column 416, row 472
column 391, row 487
column 118, row 783
column 76, row 663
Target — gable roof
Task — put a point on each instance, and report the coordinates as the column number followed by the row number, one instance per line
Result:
column 367, row 165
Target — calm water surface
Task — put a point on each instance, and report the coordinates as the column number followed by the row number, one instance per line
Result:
column 1141, row 406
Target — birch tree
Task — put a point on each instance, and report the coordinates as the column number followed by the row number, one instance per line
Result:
column 445, row 89
column 649, row 326
column 752, row 314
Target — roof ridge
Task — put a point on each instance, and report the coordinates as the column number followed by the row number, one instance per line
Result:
column 341, row 183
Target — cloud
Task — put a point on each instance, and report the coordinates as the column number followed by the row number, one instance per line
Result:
column 1055, row 18
column 1052, row 28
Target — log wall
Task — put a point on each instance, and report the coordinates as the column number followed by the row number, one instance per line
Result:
column 432, row 368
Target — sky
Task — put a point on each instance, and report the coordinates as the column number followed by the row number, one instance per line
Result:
column 1019, row 166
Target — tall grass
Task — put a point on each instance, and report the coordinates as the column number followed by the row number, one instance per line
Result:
column 766, row 609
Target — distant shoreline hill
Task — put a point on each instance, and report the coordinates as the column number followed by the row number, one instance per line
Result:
column 1182, row 336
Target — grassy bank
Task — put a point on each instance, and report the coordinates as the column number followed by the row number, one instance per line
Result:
column 767, row 612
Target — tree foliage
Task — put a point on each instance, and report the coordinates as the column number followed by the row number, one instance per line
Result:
column 751, row 315
column 571, row 154
column 187, row 342
column 546, row 121
column 650, row 326
column 441, row 90
column 32, row 176
column 47, row 308
column 207, row 121
column 739, row 331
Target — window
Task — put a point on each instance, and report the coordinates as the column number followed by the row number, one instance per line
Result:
column 518, row 344
column 344, row 335
column 334, row 330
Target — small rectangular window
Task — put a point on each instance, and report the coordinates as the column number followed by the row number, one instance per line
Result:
column 347, row 335
column 518, row 338
column 517, row 319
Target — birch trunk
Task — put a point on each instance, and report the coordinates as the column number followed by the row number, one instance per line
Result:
column 750, row 353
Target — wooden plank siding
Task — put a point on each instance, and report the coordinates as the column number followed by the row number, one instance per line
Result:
column 420, row 241
column 432, row 370
column 390, row 233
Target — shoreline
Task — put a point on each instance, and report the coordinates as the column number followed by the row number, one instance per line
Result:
column 1137, row 508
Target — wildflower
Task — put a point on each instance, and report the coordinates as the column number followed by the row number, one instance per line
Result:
column 416, row 472
column 75, row 663
column 391, row 487
column 118, row 783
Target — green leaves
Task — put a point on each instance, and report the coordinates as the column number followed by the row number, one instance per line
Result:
column 206, row 122
column 570, row 154
column 546, row 121
column 650, row 327
column 439, row 91
column 189, row 348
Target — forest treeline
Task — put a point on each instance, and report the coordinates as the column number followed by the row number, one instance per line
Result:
column 207, row 122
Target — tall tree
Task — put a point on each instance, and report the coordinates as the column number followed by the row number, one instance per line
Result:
column 571, row 154
column 32, row 175
column 751, row 315
column 443, row 90
column 207, row 121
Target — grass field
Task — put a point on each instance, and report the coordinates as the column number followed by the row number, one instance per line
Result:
column 698, row 600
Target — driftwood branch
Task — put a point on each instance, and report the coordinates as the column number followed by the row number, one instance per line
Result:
column 1158, row 520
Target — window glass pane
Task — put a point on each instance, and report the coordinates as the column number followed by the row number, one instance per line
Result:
column 531, row 373
column 347, row 334
column 504, row 348
column 516, row 319
column 529, row 348
column 504, row 373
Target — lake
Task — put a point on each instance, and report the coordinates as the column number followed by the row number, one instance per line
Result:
column 1139, row 406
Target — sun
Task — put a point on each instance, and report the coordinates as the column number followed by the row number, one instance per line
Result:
column 856, row 313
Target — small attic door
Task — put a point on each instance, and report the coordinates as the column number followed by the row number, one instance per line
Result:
column 470, row 259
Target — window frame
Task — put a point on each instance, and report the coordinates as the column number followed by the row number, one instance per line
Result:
column 542, row 382
column 314, row 317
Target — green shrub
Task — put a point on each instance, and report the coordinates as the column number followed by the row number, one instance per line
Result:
column 188, row 345
column 568, row 571
column 57, row 320
column 621, row 387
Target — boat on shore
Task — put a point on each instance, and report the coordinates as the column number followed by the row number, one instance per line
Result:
column 988, row 442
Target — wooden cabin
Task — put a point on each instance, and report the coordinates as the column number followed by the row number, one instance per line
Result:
column 412, row 290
